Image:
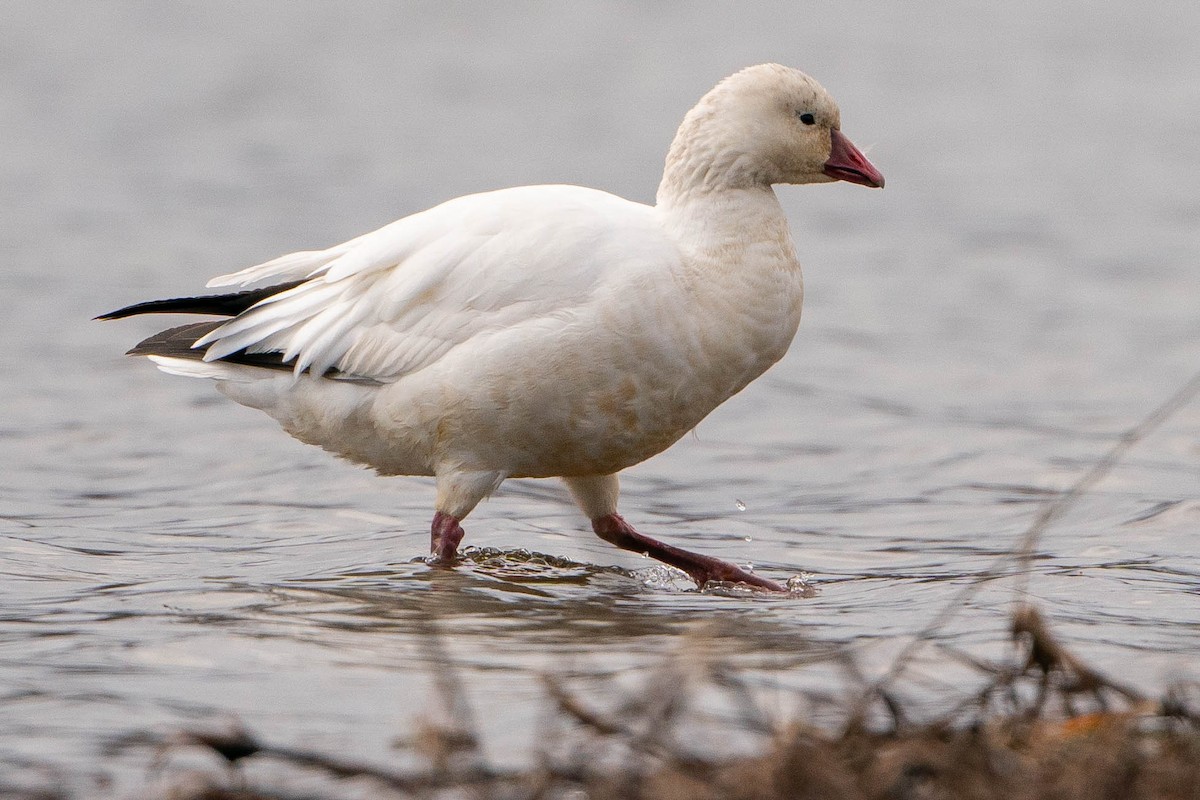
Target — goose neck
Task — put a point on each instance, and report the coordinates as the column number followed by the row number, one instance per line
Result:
column 725, row 221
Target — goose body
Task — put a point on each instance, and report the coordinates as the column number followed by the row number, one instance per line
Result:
column 540, row 331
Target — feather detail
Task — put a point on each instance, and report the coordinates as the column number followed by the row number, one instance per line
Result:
column 221, row 371
column 301, row 265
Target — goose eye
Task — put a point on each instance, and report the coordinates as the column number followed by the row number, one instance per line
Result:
column 808, row 119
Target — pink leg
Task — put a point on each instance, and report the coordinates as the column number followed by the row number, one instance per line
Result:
column 444, row 537
column 615, row 530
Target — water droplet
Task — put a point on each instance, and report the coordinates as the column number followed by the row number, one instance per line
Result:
column 740, row 505
column 747, row 538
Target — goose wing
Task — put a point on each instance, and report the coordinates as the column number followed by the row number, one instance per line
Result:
column 395, row 300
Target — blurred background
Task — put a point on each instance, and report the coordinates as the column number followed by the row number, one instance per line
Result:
column 975, row 337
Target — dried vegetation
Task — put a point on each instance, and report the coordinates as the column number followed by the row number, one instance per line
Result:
column 1044, row 726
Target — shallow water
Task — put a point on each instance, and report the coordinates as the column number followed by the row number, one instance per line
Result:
column 975, row 337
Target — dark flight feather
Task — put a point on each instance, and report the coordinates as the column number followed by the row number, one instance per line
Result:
column 177, row 343
column 225, row 305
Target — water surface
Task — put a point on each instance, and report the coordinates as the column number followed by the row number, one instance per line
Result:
column 975, row 336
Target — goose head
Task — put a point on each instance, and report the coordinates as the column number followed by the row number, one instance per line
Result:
column 764, row 125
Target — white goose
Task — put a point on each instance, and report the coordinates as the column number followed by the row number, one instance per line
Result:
column 541, row 331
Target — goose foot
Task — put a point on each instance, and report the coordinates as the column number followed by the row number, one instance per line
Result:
column 702, row 569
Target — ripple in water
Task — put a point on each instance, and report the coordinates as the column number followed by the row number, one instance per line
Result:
column 528, row 566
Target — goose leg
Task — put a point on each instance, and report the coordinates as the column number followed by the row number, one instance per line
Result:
column 444, row 536
column 597, row 497
column 458, row 492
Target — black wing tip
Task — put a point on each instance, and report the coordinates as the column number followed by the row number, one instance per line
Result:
column 174, row 342
column 180, row 305
column 223, row 305
column 118, row 314
column 178, row 343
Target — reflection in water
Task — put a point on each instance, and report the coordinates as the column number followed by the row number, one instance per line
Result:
column 535, row 603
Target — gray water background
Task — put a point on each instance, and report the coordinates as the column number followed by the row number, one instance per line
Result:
column 975, row 336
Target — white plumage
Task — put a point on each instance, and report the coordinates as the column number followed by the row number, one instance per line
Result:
column 548, row 330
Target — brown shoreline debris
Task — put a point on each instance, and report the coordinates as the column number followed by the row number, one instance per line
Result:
column 1036, row 744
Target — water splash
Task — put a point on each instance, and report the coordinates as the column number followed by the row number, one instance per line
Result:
column 801, row 585
column 526, row 565
column 798, row 586
column 662, row 577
